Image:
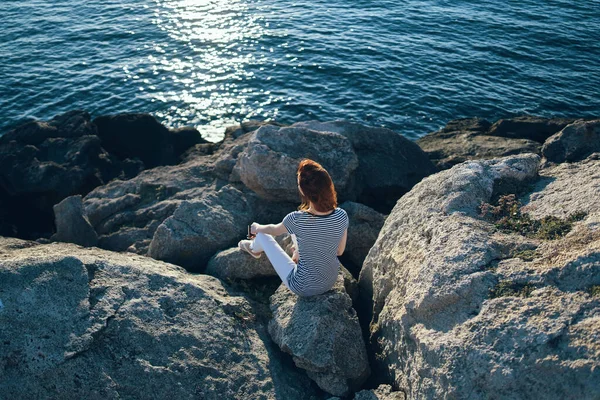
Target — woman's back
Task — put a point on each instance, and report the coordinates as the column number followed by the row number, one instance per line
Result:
column 318, row 238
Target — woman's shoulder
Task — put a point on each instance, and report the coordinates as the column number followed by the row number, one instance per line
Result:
column 295, row 215
column 340, row 211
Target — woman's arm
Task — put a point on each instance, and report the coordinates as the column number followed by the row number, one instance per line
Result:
column 342, row 245
column 271, row 229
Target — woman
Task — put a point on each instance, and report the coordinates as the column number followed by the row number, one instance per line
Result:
column 319, row 230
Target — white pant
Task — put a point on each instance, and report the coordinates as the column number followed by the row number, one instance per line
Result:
column 280, row 260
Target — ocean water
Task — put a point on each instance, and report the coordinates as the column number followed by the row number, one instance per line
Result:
column 407, row 65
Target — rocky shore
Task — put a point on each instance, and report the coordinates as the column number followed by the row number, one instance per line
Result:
column 472, row 268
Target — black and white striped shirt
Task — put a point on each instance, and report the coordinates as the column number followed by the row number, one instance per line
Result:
column 318, row 239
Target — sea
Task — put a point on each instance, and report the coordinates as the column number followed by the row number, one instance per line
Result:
column 410, row 65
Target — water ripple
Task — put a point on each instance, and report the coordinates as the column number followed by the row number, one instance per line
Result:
column 409, row 66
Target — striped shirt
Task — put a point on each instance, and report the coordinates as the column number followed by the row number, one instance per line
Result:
column 318, row 239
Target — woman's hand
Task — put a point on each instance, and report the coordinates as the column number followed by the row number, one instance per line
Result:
column 255, row 228
column 295, row 255
column 270, row 229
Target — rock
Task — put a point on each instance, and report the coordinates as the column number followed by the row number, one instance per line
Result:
column 184, row 138
column 467, row 125
column 143, row 202
column 41, row 163
column 456, row 313
column 323, row 336
column 71, row 223
column 269, row 163
column 529, row 127
column 235, row 264
column 574, row 142
column 87, row 323
column 137, row 135
column 199, row 229
column 350, row 284
column 234, row 142
column 236, row 131
column 127, row 214
column 468, row 139
column 383, row 392
column 566, row 189
column 365, row 224
column 389, row 164
column 71, row 124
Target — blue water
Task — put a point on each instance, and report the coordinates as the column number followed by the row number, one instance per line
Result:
column 407, row 65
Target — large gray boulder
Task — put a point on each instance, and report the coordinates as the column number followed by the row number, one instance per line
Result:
column 88, row 323
column 566, row 189
column 72, row 225
column 233, row 263
column 574, row 142
column 389, row 164
column 323, row 336
column 470, row 139
column 459, row 312
column 268, row 164
column 199, row 229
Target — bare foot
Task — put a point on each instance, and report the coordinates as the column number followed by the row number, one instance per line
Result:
column 245, row 245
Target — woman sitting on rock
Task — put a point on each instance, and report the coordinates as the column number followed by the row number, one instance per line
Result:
column 319, row 230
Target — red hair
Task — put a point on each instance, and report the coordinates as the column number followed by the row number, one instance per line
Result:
column 316, row 187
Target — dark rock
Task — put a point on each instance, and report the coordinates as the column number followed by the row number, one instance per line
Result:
column 71, row 223
column 467, row 125
column 184, row 138
column 136, row 135
column 389, row 164
column 466, row 139
column 574, row 143
column 350, row 284
column 71, row 124
column 529, row 127
column 365, row 224
column 383, row 392
column 41, row 163
column 323, row 336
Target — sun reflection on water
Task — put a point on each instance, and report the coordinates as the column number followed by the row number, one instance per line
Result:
column 203, row 68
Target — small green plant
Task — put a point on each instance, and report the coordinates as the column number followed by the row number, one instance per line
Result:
column 551, row 228
column 510, row 288
column 595, row 291
column 577, row 216
column 508, row 217
column 526, row 255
